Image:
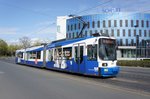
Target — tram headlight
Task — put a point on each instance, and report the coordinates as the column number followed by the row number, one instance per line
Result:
column 104, row 64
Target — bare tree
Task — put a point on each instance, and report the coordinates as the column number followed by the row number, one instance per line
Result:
column 25, row 42
column 37, row 43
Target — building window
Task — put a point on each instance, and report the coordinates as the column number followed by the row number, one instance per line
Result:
column 118, row 32
column 134, row 32
column 90, row 32
column 88, row 24
column 115, row 23
column 71, row 27
column 140, row 33
column 145, row 33
column 142, row 23
column 75, row 26
column 98, row 24
column 79, row 26
column 132, row 42
column 96, row 31
column 69, row 35
column 131, row 23
column 137, row 22
column 85, row 33
column 101, row 31
column 124, row 34
column 104, row 24
column 129, row 32
column 77, row 34
column 127, row 42
column 149, row 33
column 106, row 31
column 68, row 27
column 93, row 24
column 109, row 23
column 147, row 23
column 120, row 42
column 112, row 32
column 120, row 23
column 126, row 23
column 73, row 35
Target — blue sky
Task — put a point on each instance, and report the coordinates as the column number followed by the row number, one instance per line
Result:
column 36, row 18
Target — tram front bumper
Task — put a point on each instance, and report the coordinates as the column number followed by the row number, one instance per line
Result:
column 109, row 71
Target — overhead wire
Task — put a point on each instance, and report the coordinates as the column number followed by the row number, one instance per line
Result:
column 43, row 14
column 47, row 26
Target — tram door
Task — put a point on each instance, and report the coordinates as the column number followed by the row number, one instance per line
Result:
column 79, row 57
column 57, row 57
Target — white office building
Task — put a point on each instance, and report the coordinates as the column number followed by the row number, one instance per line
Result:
column 61, row 27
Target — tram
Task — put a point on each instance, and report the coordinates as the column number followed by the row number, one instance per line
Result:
column 94, row 56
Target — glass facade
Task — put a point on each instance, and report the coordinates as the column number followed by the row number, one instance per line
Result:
column 125, row 27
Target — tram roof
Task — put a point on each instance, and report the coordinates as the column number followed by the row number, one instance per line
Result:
column 65, row 42
column 36, row 48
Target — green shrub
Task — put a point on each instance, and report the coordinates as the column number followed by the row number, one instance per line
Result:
column 141, row 63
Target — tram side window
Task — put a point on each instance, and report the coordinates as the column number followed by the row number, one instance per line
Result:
column 38, row 54
column 20, row 55
column 32, row 55
column 67, row 53
column 50, row 56
column 92, row 52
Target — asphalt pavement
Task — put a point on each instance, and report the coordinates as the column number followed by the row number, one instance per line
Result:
column 24, row 82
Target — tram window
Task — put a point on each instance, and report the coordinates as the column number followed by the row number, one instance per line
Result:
column 34, row 55
column 92, row 52
column 59, row 52
column 55, row 54
column 30, row 55
column 50, row 56
column 67, row 53
column 38, row 54
column 20, row 55
column 81, row 54
column 78, row 54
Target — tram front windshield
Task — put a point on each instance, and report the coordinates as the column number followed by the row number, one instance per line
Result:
column 107, row 49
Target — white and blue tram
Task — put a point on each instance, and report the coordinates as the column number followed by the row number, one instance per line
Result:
column 89, row 56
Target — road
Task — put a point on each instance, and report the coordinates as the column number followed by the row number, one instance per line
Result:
column 24, row 82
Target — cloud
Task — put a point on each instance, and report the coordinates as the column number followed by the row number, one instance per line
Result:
column 8, row 30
